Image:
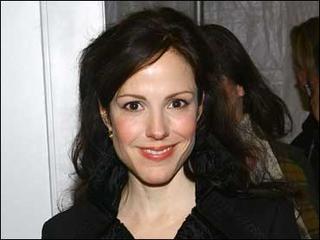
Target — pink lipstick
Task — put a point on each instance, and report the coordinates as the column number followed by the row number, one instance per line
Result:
column 157, row 153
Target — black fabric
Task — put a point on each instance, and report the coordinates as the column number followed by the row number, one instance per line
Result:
column 192, row 228
column 215, row 216
column 250, row 217
column 308, row 141
column 79, row 222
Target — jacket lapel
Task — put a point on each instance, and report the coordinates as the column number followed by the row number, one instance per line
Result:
column 221, row 213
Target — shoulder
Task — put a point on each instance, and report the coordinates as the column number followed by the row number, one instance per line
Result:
column 285, row 150
column 310, row 130
column 250, row 217
column 273, row 215
column 80, row 221
column 292, row 161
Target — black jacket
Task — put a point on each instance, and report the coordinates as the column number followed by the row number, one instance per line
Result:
column 216, row 215
column 308, row 141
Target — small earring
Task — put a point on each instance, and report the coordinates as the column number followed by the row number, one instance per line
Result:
column 110, row 133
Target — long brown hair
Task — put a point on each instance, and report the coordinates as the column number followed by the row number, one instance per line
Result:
column 118, row 53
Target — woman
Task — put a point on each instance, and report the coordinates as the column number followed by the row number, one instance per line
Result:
column 260, row 113
column 147, row 153
column 305, row 55
column 261, row 118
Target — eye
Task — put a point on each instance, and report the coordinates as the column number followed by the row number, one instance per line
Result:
column 178, row 103
column 133, row 106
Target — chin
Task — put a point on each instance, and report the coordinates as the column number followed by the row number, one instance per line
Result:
column 157, row 178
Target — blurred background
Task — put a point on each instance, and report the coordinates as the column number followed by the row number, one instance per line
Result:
column 40, row 48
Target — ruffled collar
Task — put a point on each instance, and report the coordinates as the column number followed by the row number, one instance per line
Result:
column 192, row 228
column 213, row 217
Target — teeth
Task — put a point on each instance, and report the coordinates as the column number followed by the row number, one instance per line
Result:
column 154, row 152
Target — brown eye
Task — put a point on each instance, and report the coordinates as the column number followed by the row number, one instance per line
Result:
column 133, row 106
column 178, row 103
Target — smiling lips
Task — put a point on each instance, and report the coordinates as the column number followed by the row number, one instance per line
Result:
column 157, row 153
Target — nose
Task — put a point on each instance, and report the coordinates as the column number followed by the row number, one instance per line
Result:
column 157, row 126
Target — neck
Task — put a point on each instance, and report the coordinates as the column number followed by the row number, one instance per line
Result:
column 154, row 201
column 239, row 115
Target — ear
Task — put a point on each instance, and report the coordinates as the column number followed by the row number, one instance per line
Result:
column 105, row 117
column 240, row 91
column 200, row 108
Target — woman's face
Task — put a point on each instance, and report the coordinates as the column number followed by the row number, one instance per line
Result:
column 153, row 118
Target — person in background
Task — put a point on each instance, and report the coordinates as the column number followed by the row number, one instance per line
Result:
column 150, row 159
column 305, row 57
column 261, row 117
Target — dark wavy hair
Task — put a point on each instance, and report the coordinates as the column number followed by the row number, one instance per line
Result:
column 119, row 52
column 266, row 109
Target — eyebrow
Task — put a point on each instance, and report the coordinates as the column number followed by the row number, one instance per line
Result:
column 143, row 98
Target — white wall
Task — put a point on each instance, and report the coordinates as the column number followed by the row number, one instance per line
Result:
column 40, row 46
column 25, row 196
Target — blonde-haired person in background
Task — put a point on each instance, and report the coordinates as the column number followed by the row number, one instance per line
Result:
column 305, row 55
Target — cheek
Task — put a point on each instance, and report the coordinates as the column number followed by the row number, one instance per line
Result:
column 126, row 129
column 185, row 124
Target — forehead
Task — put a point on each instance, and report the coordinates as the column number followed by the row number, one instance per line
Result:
column 171, row 72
